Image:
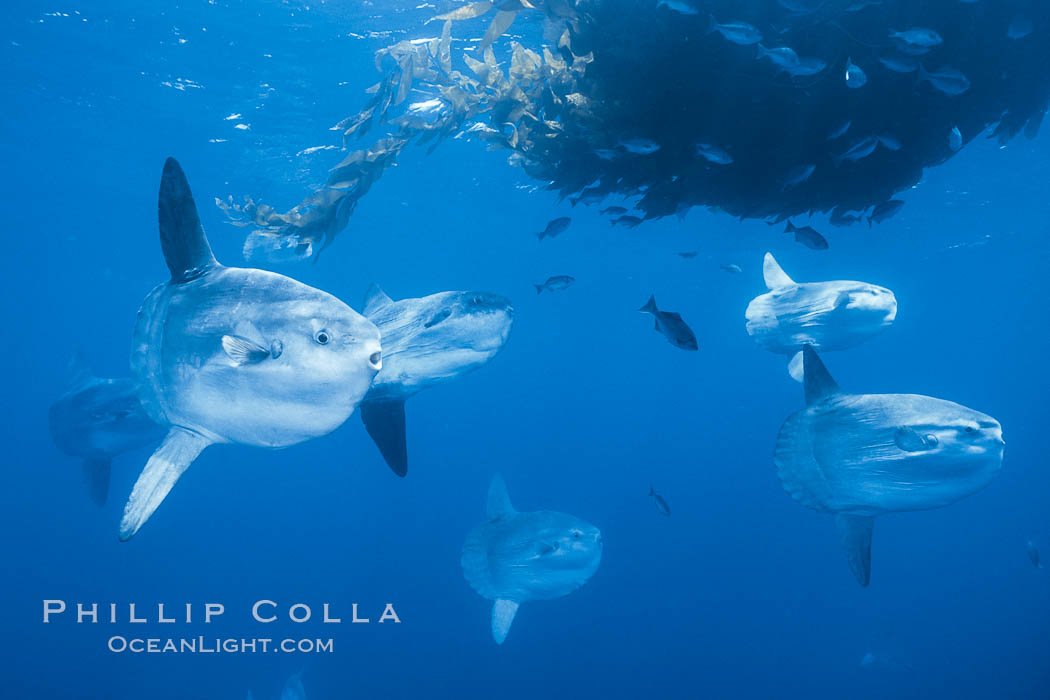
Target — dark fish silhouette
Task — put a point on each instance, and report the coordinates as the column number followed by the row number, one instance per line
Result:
column 671, row 326
column 613, row 211
column 731, row 268
column 626, row 221
column 660, row 503
column 807, row 236
column 883, row 211
column 687, row 254
column 1033, row 554
column 555, row 284
column 554, row 227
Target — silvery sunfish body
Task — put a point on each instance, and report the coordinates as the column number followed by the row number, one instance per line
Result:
column 517, row 557
column 671, row 325
column 98, row 419
column 227, row 354
column 840, row 455
column 833, row 315
column 426, row 341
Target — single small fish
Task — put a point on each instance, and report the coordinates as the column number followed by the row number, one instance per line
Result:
column 796, row 176
column 642, row 147
column 840, row 130
column 842, row 218
column 554, row 227
column 918, row 36
column 855, row 76
column 947, row 80
column 890, row 142
column 740, row 33
column 660, row 503
column 555, row 284
column 678, row 6
column 899, row 64
column 910, row 441
column 1020, row 27
column 731, row 268
column 713, row 154
column 783, row 57
column 626, row 221
column 591, row 196
column 671, row 326
column 689, row 254
column 1033, row 553
column 885, row 210
column 607, row 153
column 613, row 211
column 859, row 150
column 955, row 139
column 807, row 236
column 807, row 66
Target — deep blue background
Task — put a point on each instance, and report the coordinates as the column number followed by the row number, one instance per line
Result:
column 742, row 593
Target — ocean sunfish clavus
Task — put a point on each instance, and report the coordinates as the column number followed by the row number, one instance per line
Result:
column 843, row 454
column 833, row 315
column 227, row 354
column 97, row 419
column 426, row 341
column 516, row 557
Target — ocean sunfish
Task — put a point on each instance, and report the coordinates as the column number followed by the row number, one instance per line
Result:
column 98, row 419
column 228, row 354
column 516, row 557
column 841, row 455
column 426, row 341
column 832, row 315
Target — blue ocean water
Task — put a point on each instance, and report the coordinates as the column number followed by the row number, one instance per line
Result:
column 740, row 593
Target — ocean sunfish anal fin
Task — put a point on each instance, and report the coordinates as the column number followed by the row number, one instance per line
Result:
column 96, row 476
column 175, row 454
column 856, row 538
column 503, row 612
column 385, row 422
column 375, row 299
column 498, row 504
column 816, row 378
column 186, row 248
column 243, row 351
column 774, row 275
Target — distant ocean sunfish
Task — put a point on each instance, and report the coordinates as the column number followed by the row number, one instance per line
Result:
column 516, row 557
column 226, row 354
column 98, row 419
column 426, row 341
column 832, row 315
column 842, row 455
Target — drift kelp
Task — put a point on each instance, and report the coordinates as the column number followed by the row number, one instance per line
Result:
column 724, row 124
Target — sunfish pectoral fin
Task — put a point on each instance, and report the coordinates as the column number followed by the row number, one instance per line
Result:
column 503, row 612
column 498, row 504
column 243, row 351
column 856, row 538
column 795, row 367
column 774, row 275
column 186, row 248
column 96, row 476
column 385, row 422
column 375, row 298
column 175, row 454
column 816, row 379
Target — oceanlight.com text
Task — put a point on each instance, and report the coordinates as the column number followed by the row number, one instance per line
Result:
column 218, row 645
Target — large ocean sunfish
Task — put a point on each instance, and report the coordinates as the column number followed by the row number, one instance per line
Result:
column 516, row 557
column 426, row 341
column 227, row 354
column 860, row 455
column 97, row 419
column 833, row 315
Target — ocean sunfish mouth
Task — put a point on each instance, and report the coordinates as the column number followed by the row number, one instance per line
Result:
column 236, row 355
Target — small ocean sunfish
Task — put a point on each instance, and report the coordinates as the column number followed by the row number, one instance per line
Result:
column 671, row 326
column 660, row 503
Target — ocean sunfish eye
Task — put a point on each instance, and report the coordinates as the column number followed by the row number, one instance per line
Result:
column 322, row 337
column 438, row 318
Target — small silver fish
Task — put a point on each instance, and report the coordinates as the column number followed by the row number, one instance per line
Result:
column 555, row 284
column 740, row 33
column 660, row 503
column 955, row 139
column 678, row 6
column 899, row 64
column 713, row 154
column 840, row 130
column 807, row 66
column 554, row 227
column 890, row 142
column 947, row 80
column 642, row 147
column 918, row 36
column 731, row 268
column 783, row 57
column 859, row 150
column 796, row 176
column 855, row 75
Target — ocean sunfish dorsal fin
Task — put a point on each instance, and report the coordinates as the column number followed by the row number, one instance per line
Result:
column 384, row 420
column 375, row 299
column 856, row 538
column 503, row 612
column 773, row 274
column 816, row 378
column 498, row 505
column 186, row 248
